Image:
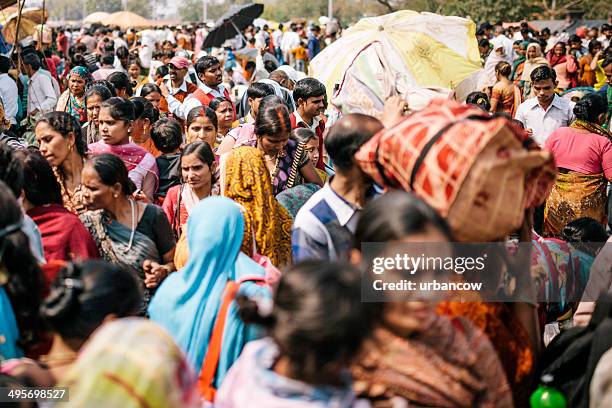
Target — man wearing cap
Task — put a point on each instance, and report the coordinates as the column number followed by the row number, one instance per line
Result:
column 209, row 72
column 176, row 85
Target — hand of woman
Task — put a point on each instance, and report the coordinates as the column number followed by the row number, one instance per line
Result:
column 154, row 273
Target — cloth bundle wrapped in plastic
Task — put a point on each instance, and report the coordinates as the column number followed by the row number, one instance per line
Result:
column 478, row 171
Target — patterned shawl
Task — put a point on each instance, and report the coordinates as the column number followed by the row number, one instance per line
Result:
column 247, row 181
column 131, row 363
column 451, row 364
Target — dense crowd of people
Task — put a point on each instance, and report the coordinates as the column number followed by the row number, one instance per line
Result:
column 183, row 227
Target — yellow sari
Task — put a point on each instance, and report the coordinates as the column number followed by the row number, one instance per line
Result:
column 575, row 195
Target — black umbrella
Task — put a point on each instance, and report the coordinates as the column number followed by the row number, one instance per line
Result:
column 232, row 23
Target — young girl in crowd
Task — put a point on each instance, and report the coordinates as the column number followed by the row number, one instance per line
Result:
column 197, row 165
column 201, row 125
column 146, row 115
column 116, row 123
column 310, row 146
column 83, row 296
column 316, row 327
column 152, row 93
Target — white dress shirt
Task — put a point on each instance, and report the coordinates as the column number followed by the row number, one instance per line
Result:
column 10, row 96
column 41, row 94
column 560, row 113
column 181, row 110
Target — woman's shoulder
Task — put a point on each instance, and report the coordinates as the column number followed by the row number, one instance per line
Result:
column 153, row 211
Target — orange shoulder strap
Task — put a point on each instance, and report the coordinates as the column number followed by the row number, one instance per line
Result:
column 211, row 360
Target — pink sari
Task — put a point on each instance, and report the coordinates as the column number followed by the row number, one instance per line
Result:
column 137, row 160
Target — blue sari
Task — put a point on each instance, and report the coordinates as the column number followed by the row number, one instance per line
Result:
column 187, row 302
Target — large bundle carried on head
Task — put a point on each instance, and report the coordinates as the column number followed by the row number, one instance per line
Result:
column 479, row 172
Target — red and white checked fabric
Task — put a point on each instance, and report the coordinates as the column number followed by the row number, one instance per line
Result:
column 478, row 173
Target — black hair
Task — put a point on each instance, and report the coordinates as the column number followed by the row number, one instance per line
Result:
column 575, row 39
column 308, row 88
column 120, row 109
column 259, row 90
column 303, row 135
column 199, row 111
column 107, row 59
column 272, row 117
column 39, row 183
column 106, row 84
column 543, row 73
column 484, row 43
column 346, row 137
column 592, row 45
column 83, row 294
column 250, row 64
column 122, row 52
column 200, row 149
column 524, row 31
column 545, row 30
column 100, row 90
column 162, row 71
column 270, row 66
column 503, row 68
column 11, row 170
column 586, row 234
column 25, row 278
column 480, row 100
column 214, row 104
column 167, row 135
column 144, row 109
column 148, row 89
column 590, row 107
column 64, row 123
column 317, row 318
column 393, row 216
column 120, row 80
column 112, row 170
column 204, row 63
column 5, row 64
column 32, row 60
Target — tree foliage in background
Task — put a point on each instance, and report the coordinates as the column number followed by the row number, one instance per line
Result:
column 352, row 10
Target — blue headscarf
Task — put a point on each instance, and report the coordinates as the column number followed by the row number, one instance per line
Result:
column 187, row 302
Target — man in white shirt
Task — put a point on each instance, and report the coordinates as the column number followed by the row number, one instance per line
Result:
column 291, row 40
column 209, row 72
column 546, row 112
column 8, row 91
column 41, row 94
column 277, row 39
